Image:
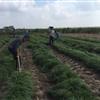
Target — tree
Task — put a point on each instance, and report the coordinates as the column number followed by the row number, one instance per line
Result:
column 9, row 30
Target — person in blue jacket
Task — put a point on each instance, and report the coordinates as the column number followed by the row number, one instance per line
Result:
column 13, row 48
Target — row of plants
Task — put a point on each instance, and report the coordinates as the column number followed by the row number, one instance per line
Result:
column 78, row 44
column 78, row 47
column 82, row 45
column 88, row 39
column 7, row 65
column 18, row 85
column 62, row 41
column 3, row 40
column 65, row 84
column 89, row 59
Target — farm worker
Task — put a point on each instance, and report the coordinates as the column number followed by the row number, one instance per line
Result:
column 53, row 35
column 13, row 48
column 13, row 31
column 26, row 36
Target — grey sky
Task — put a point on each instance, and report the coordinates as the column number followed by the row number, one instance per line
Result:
column 42, row 13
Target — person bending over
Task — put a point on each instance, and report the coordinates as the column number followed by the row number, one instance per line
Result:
column 13, row 48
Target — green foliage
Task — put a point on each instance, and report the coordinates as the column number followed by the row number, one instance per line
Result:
column 86, row 39
column 81, row 45
column 61, row 72
column 7, row 65
column 20, row 86
column 67, row 85
column 71, row 89
column 92, row 61
column 68, row 30
column 3, row 40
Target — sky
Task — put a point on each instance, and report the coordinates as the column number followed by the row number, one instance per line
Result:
column 44, row 13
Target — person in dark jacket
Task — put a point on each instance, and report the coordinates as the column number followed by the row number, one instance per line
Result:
column 13, row 48
column 26, row 36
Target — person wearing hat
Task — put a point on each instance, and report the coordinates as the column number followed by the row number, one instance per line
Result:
column 52, row 35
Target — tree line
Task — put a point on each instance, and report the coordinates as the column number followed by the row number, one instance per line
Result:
column 11, row 30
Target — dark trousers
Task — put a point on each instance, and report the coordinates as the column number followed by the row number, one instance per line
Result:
column 16, row 59
column 26, row 38
column 14, row 54
column 51, row 40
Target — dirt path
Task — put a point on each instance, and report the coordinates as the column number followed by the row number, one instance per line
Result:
column 42, row 82
column 91, row 79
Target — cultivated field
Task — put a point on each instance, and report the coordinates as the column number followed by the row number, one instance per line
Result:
column 69, row 70
column 84, row 35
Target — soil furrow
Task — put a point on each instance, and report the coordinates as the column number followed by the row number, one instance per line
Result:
column 91, row 78
column 42, row 82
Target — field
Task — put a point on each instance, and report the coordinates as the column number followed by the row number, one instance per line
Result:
column 69, row 70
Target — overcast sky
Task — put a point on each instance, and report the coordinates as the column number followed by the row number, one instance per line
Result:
column 42, row 13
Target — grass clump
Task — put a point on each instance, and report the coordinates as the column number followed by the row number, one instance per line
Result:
column 20, row 86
